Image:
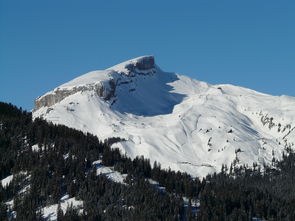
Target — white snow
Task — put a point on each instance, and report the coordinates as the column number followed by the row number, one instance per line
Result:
column 89, row 78
column 157, row 185
column 50, row 212
column 109, row 172
column 184, row 124
column 6, row 181
column 37, row 148
column 122, row 66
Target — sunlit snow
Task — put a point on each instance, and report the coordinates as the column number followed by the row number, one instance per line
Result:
column 184, row 124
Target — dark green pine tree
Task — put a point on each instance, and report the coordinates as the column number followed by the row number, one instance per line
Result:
column 3, row 211
column 59, row 212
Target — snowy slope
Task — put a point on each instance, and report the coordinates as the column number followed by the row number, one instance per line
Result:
column 184, row 124
column 109, row 172
column 50, row 212
column 6, row 181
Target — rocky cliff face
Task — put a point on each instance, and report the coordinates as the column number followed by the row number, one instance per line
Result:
column 59, row 94
column 104, row 89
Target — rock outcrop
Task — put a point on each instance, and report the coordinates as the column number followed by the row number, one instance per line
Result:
column 57, row 95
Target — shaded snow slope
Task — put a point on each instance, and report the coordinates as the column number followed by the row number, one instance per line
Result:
column 109, row 172
column 184, row 124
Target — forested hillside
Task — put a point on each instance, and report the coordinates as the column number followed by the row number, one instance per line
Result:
column 47, row 162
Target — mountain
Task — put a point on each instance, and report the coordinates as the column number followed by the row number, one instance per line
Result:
column 182, row 123
column 52, row 172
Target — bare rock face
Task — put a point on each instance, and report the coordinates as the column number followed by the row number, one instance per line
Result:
column 50, row 99
column 145, row 63
column 141, row 66
column 59, row 94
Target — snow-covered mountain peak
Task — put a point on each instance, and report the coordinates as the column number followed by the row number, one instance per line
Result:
column 144, row 65
column 184, row 124
column 136, row 86
column 141, row 65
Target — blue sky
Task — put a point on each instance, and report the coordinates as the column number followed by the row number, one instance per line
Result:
column 250, row 43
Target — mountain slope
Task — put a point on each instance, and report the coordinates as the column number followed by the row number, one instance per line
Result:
column 51, row 172
column 184, row 124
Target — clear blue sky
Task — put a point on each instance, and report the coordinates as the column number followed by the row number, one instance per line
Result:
column 250, row 43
